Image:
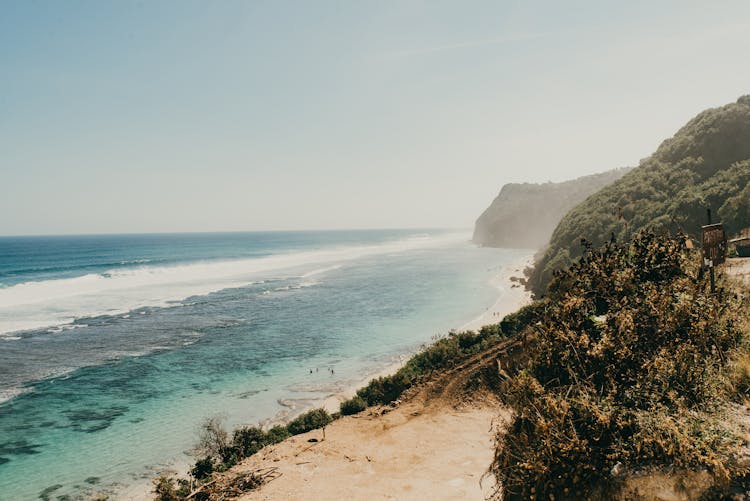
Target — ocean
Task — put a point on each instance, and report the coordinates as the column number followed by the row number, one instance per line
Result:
column 114, row 348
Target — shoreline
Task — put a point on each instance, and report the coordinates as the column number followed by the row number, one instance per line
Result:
column 515, row 298
column 510, row 299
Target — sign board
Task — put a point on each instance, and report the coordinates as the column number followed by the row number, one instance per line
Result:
column 714, row 243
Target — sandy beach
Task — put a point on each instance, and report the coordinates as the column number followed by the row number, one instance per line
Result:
column 513, row 296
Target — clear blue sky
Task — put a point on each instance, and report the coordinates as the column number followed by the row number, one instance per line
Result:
column 139, row 116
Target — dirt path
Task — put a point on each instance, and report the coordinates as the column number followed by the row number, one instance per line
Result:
column 435, row 445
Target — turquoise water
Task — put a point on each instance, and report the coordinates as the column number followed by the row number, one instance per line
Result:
column 132, row 341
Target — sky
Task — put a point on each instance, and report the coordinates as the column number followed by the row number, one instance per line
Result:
column 160, row 116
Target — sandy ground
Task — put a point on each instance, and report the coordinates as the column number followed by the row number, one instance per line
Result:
column 413, row 452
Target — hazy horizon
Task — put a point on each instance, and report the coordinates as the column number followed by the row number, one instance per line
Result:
column 171, row 117
column 466, row 229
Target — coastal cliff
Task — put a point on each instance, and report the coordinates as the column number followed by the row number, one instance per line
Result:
column 524, row 215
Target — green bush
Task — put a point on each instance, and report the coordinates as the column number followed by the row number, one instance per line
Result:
column 515, row 322
column 384, row 390
column 248, row 440
column 166, row 490
column 203, row 468
column 353, row 406
column 312, row 420
column 277, row 434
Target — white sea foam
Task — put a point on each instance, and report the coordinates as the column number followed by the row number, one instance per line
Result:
column 64, row 327
column 34, row 305
column 10, row 393
column 320, row 271
column 136, row 261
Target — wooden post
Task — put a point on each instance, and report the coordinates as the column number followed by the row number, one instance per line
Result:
column 711, row 262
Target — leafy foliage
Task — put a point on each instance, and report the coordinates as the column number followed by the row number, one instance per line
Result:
column 248, row 440
column 166, row 490
column 705, row 165
column 277, row 434
column 353, row 406
column 628, row 363
column 202, row 468
column 524, row 215
column 311, row 420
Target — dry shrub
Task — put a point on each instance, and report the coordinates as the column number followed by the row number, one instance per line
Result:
column 213, row 438
column 626, row 364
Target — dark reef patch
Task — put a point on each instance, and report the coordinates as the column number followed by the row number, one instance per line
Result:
column 89, row 421
column 44, row 495
column 18, row 448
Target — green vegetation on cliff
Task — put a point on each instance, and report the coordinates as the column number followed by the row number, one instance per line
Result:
column 705, row 165
column 524, row 215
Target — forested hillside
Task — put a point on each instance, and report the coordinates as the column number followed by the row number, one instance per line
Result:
column 524, row 215
column 705, row 165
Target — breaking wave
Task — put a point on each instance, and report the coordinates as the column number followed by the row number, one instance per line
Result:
column 54, row 303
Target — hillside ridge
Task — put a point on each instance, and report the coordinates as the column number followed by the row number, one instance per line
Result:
column 706, row 164
column 523, row 215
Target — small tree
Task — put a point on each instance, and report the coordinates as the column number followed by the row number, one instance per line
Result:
column 213, row 439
